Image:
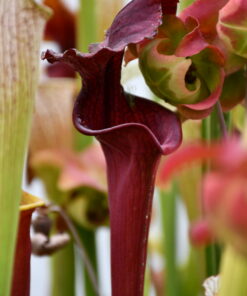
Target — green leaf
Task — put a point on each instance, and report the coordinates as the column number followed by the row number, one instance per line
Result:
column 21, row 27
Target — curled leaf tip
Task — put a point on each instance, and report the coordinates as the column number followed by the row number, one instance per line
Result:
column 176, row 67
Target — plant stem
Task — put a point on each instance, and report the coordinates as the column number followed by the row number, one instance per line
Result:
column 192, row 273
column 86, row 34
column 168, row 212
column 147, row 281
column 88, row 239
column 86, row 25
column 221, row 119
column 81, row 247
column 212, row 267
column 228, row 120
column 244, row 136
column 63, row 279
column 213, row 128
column 218, row 130
column 233, row 274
